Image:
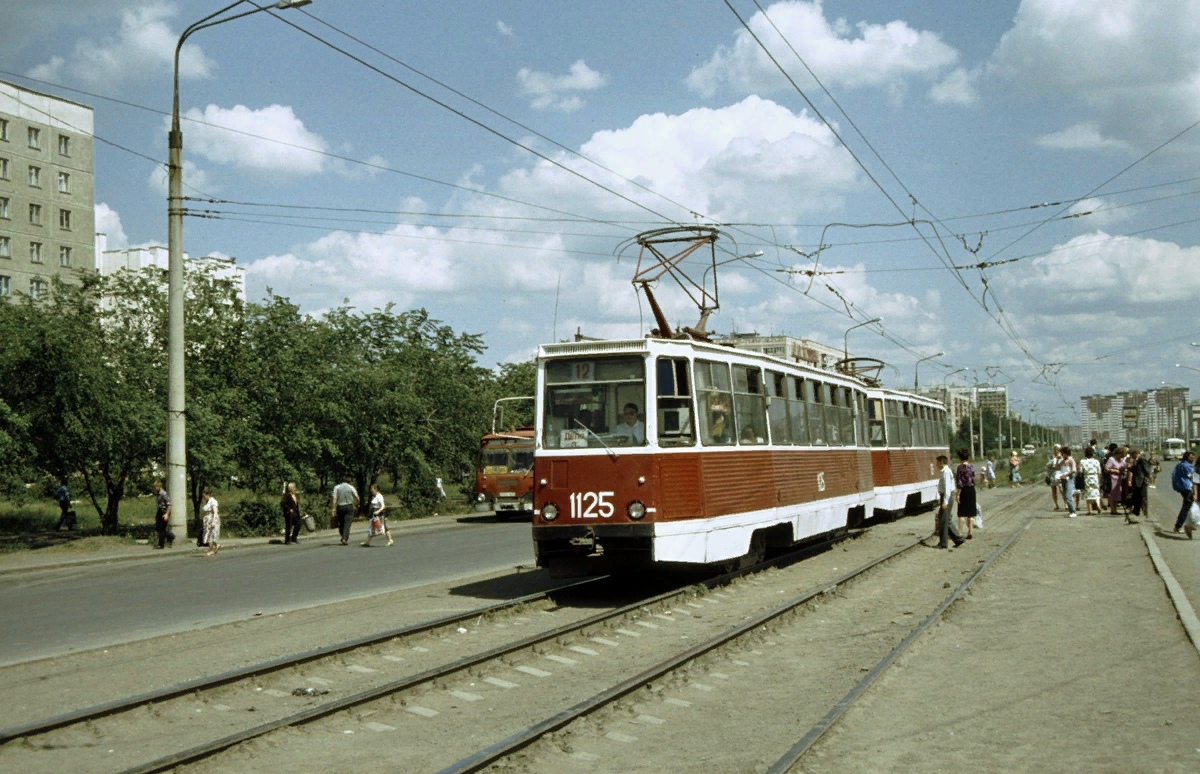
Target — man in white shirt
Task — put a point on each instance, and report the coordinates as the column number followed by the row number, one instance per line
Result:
column 946, row 528
column 630, row 426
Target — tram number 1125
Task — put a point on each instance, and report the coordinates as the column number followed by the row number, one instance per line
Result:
column 591, row 505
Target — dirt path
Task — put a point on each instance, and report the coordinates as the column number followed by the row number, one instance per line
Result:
column 1067, row 656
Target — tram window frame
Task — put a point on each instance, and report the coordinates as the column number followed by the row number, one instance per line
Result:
column 675, row 426
column 797, row 411
column 876, row 426
column 749, row 406
column 918, row 425
column 778, row 416
column 847, row 415
column 906, row 423
column 714, row 401
column 860, row 418
column 891, row 414
column 610, row 390
column 814, row 396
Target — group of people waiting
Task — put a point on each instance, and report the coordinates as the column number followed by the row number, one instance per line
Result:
column 1118, row 478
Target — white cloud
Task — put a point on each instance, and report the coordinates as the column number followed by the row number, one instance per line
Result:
column 1081, row 136
column 882, row 55
column 108, row 222
column 957, row 88
column 1130, row 64
column 557, row 91
column 270, row 139
column 504, row 29
column 144, row 46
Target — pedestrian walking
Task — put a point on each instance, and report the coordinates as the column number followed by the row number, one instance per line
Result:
column 1051, row 470
column 945, row 529
column 964, row 492
column 1065, row 476
column 1137, row 478
column 290, row 505
column 66, row 519
column 1181, row 482
column 210, row 510
column 1014, row 469
column 1106, row 479
column 162, row 516
column 989, row 471
column 1155, row 469
column 1090, row 467
column 378, row 524
column 1114, row 471
column 342, row 506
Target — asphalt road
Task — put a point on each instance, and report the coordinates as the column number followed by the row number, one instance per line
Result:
column 52, row 612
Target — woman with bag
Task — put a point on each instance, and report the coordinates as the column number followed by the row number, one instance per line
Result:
column 1014, row 469
column 1090, row 468
column 1065, row 476
column 964, row 493
column 378, row 523
column 290, row 506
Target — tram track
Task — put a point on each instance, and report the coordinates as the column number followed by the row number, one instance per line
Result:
column 90, row 721
column 556, row 737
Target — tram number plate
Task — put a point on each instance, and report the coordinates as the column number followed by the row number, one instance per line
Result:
column 591, row 505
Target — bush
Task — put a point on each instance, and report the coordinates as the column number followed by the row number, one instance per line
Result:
column 253, row 518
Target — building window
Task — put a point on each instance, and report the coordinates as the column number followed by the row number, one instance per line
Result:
column 35, row 176
column 4, row 129
column 64, row 220
column 35, row 252
column 64, row 256
column 64, row 145
column 35, row 214
column 64, row 182
column 5, row 286
column 5, row 247
column 35, row 137
column 3, row 169
column 37, row 289
column 4, row 207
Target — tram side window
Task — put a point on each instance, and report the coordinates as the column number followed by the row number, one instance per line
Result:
column 875, row 422
column 892, row 409
column 714, row 395
column 797, row 411
column 943, row 429
column 906, row 424
column 918, row 425
column 814, row 396
column 861, row 419
column 749, row 405
column 777, row 409
column 674, row 403
column 847, row 415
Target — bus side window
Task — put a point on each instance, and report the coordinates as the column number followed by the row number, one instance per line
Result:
column 674, row 403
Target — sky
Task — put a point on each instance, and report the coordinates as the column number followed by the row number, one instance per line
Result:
column 1011, row 184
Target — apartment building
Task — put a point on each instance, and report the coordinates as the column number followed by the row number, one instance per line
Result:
column 47, row 212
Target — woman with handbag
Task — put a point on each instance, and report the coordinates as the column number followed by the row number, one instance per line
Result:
column 378, row 523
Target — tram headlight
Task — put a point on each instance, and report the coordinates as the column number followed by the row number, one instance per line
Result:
column 549, row 511
column 636, row 510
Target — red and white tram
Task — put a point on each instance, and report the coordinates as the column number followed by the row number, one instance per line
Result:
column 675, row 451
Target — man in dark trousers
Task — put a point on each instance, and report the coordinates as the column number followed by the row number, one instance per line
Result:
column 343, row 504
column 946, row 530
column 162, row 516
column 67, row 519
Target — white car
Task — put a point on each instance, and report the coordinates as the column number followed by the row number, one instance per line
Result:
column 1028, row 450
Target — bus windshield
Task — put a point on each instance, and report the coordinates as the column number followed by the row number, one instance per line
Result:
column 594, row 402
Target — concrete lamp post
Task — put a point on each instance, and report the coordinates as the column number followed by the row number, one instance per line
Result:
column 176, row 424
column 917, row 366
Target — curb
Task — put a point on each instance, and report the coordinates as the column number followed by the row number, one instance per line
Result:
column 189, row 548
column 1187, row 616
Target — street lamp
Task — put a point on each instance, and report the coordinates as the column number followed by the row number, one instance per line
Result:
column 176, row 424
column 846, row 338
column 917, row 365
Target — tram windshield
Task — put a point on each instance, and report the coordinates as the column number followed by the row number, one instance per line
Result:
column 594, row 402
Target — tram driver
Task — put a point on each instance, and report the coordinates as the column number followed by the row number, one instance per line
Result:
column 630, row 426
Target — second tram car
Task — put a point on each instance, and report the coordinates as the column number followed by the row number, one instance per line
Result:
column 684, row 452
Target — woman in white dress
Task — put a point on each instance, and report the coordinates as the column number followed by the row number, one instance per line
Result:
column 377, row 512
column 212, row 523
column 1091, row 479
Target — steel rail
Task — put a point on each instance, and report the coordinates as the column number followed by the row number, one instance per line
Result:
column 824, row 724
column 524, row 738
column 202, row 683
column 199, row 752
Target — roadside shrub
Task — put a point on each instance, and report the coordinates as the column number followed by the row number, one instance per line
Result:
column 253, row 518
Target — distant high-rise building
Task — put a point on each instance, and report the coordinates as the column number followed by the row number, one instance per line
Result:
column 138, row 258
column 993, row 399
column 1136, row 417
column 47, row 213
